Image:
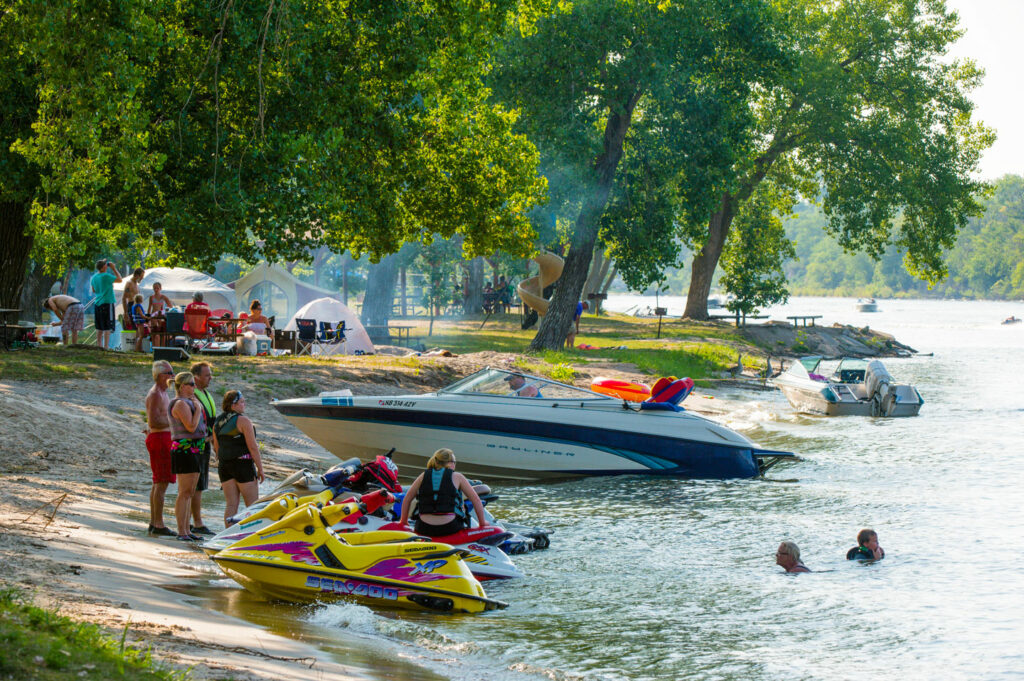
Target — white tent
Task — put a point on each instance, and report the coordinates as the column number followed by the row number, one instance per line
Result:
column 334, row 311
column 180, row 283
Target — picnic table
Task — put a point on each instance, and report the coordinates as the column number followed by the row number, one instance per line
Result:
column 7, row 330
column 226, row 329
column 804, row 318
column 381, row 333
column 740, row 317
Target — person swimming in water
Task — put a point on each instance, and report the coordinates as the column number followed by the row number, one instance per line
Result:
column 788, row 557
column 867, row 547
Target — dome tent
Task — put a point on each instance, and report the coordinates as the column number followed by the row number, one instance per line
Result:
column 180, row 284
column 334, row 311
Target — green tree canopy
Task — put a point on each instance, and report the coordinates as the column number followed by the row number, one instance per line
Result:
column 258, row 129
column 656, row 88
column 874, row 118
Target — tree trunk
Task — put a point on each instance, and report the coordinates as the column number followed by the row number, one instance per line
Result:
column 14, row 254
column 344, row 279
column 594, row 278
column 556, row 323
column 475, row 294
column 607, row 283
column 36, row 287
column 380, row 292
column 706, row 260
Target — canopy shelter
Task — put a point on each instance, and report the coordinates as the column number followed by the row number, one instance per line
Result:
column 333, row 311
column 280, row 293
column 180, row 283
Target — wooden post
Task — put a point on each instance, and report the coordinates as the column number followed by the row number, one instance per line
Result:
column 661, row 312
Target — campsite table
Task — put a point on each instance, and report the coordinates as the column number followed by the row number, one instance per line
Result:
column 226, row 329
column 805, row 318
column 402, row 333
column 7, row 329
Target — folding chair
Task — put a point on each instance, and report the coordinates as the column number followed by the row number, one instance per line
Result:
column 198, row 330
column 306, row 338
column 329, row 335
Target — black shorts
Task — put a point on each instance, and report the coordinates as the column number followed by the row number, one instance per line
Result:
column 105, row 317
column 204, row 469
column 454, row 525
column 185, row 456
column 239, row 470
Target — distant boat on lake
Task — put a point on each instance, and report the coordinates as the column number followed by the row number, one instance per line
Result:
column 1012, row 320
column 867, row 305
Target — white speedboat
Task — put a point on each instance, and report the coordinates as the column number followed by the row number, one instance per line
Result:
column 496, row 434
column 867, row 305
column 857, row 387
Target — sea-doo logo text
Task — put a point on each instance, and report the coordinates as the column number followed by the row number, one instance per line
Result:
column 427, row 568
column 341, row 586
column 395, row 403
column 480, row 548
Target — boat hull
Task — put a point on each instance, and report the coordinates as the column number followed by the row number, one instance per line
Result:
column 815, row 402
column 523, row 449
column 300, row 584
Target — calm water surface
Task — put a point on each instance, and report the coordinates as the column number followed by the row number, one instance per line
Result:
column 671, row 579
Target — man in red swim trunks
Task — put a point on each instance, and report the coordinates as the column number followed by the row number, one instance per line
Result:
column 158, row 442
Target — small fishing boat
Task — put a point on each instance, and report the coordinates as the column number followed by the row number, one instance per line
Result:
column 856, row 388
column 1012, row 320
column 867, row 305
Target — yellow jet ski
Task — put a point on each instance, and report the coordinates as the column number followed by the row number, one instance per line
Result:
column 301, row 559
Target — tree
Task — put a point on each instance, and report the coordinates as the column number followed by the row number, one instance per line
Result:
column 753, row 258
column 872, row 118
column 261, row 129
column 601, row 81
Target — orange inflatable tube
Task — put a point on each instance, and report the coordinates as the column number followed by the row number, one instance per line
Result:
column 632, row 392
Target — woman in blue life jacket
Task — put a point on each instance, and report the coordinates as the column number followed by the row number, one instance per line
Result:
column 439, row 490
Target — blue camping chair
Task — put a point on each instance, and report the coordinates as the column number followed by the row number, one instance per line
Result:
column 306, row 337
column 331, row 335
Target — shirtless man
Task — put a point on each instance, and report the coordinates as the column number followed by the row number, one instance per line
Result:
column 520, row 388
column 158, row 442
column 70, row 313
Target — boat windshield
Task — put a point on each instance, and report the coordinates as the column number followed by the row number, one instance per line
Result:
column 515, row 384
column 810, row 363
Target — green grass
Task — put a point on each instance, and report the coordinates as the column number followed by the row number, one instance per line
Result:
column 684, row 349
column 36, row 643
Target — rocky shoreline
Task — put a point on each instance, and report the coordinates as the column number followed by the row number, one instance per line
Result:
column 781, row 339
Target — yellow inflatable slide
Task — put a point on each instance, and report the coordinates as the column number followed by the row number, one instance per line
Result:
column 531, row 290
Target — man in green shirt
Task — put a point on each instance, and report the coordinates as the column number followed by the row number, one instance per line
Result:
column 103, row 286
column 203, row 374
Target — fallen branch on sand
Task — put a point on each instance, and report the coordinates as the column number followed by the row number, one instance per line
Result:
column 242, row 650
column 56, row 502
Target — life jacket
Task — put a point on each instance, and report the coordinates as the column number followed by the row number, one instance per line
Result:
column 860, row 553
column 230, row 440
column 382, row 471
column 438, row 493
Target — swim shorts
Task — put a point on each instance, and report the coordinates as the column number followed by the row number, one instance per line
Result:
column 105, row 317
column 74, row 318
column 159, row 447
column 239, row 470
column 204, row 469
column 451, row 527
column 185, row 456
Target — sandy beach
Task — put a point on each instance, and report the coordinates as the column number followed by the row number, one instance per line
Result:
column 76, row 482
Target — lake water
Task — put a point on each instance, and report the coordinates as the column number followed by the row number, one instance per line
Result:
column 672, row 579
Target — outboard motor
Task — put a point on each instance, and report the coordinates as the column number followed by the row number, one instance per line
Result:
column 880, row 389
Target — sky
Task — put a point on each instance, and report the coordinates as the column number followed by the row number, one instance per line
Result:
column 995, row 33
